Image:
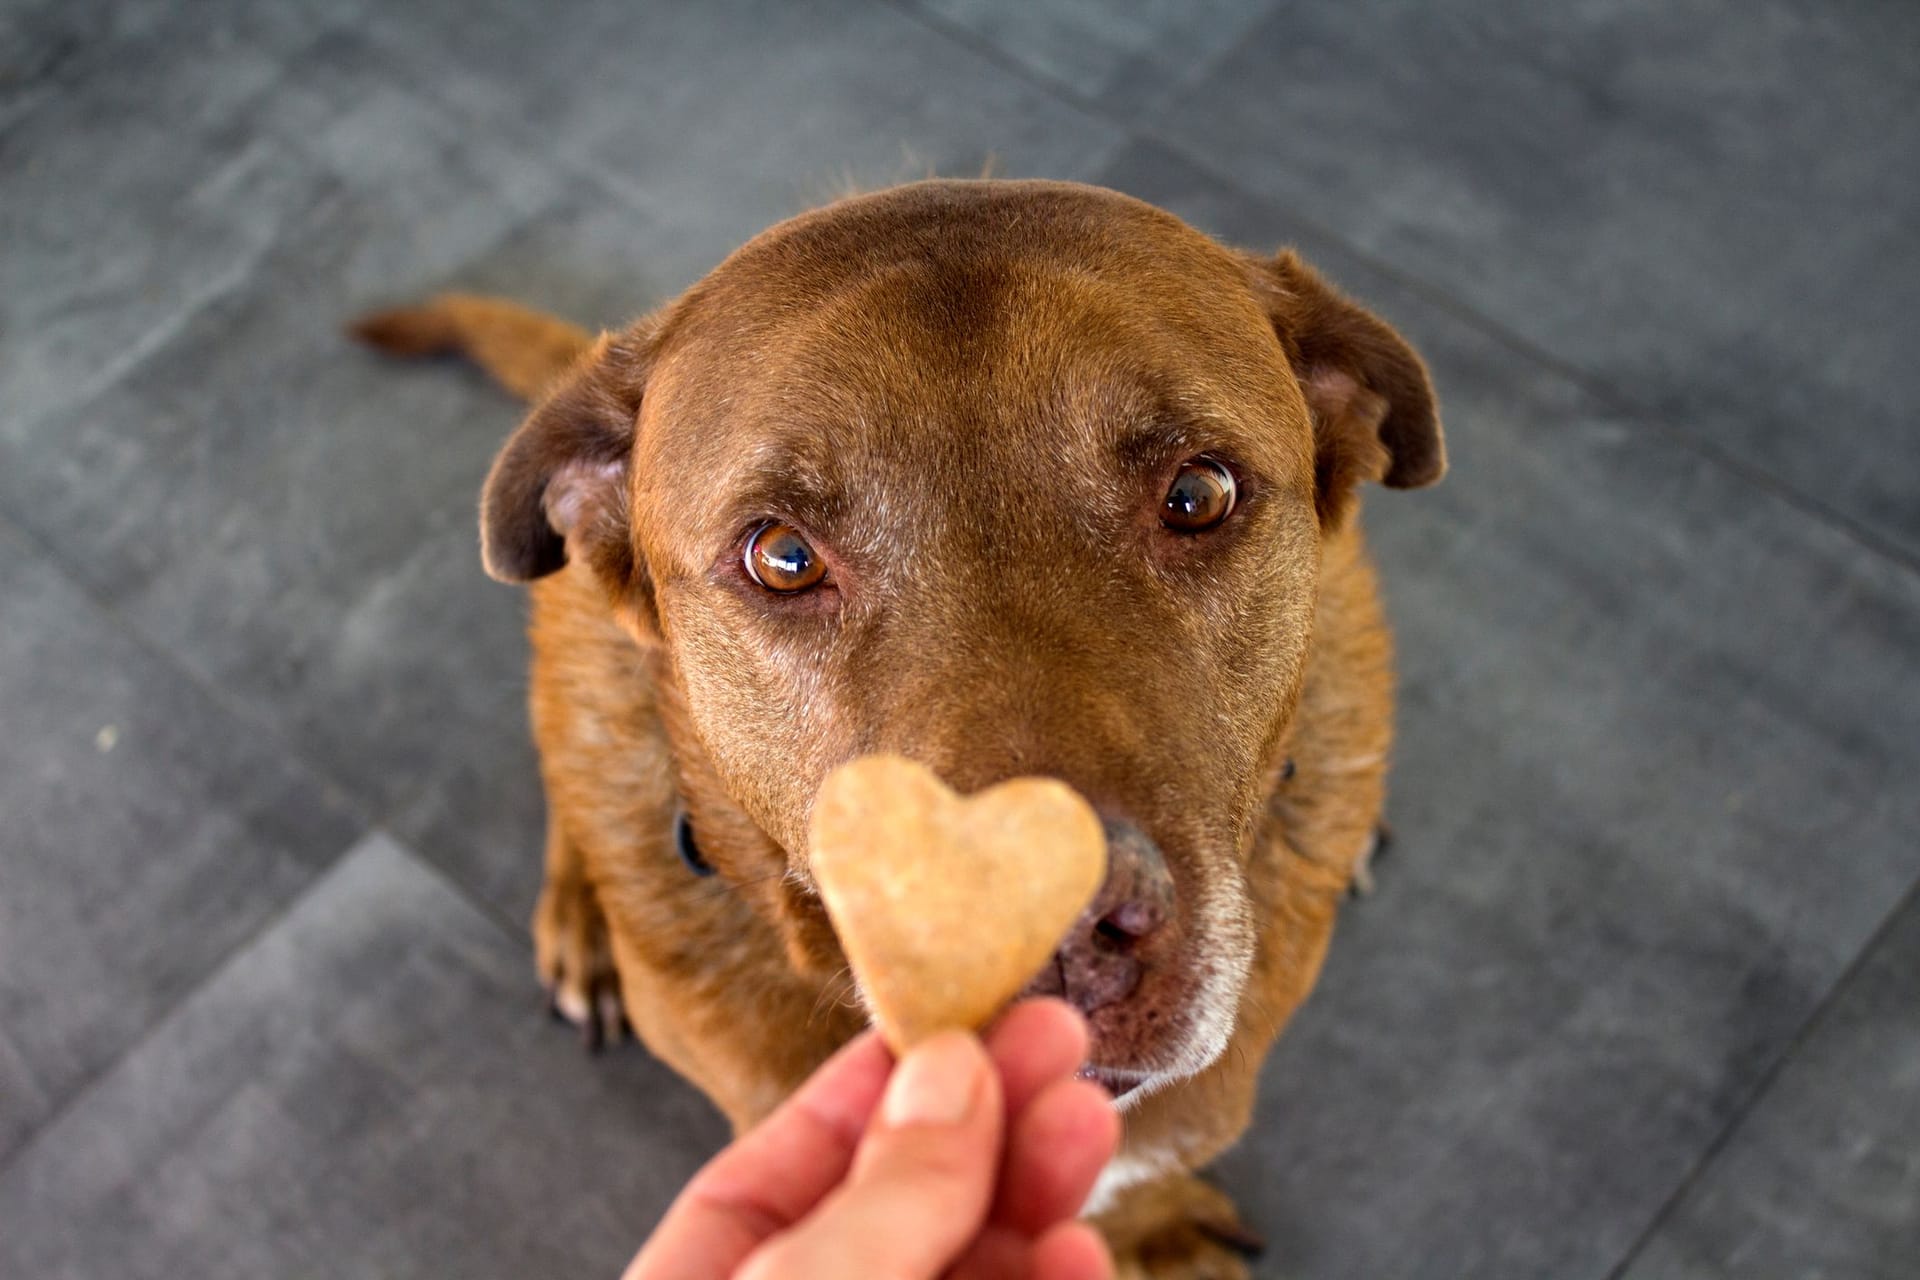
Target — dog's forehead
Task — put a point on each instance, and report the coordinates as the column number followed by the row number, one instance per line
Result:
column 955, row 325
column 1071, row 224
column 950, row 256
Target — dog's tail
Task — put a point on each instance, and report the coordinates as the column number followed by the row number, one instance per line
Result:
column 521, row 349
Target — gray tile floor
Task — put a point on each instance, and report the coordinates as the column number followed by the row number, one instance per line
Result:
column 1640, row 995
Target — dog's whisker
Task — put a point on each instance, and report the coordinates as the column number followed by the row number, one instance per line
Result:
column 835, row 990
column 704, row 891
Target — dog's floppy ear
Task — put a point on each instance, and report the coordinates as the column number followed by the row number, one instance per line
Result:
column 1374, row 415
column 558, row 489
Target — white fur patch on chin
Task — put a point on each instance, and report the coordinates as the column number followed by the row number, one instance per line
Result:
column 1224, row 920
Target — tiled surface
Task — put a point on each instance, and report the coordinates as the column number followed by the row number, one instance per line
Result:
column 1813, row 1155
column 139, row 114
column 1125, row 58
column 148, row 833
column 288, row 513
column 1610, row 1012
column 367, row 1090
column 483, row 822
column 1711, row 215
column 736, row 113
column 1635, row 695
column 49, row 48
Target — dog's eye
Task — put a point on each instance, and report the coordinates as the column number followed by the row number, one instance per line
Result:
column 1200, row 497
column 779, row 559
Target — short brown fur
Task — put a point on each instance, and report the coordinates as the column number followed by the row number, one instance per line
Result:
column 941, row 353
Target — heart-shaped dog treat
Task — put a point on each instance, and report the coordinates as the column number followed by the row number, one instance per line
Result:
column 947, row 905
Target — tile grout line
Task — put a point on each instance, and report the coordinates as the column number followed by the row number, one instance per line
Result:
column 77, row 1096
column 581, row 166
column 369, row 820
column 561, row 159
column 1646, row 418
column 85, row 1088
column 355, row 810
column 1789, row 1053
column 235, row 710
column 515, row 929
column 516, row 933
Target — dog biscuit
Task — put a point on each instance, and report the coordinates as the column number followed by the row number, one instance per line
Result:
column 946, row 906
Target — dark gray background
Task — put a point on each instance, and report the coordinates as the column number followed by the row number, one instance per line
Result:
column 1640, row 994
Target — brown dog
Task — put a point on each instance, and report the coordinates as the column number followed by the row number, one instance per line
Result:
column 1009, row 477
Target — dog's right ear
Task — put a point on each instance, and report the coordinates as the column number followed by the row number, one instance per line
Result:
column 1375, row 417
column 558, row 489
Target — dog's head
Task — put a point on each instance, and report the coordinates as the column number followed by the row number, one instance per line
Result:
column 1011, row 478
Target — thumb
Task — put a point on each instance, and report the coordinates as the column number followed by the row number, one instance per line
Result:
column 921, row 1184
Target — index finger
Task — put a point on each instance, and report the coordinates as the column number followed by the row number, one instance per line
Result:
column 1035, row 1043
column 773, row 1175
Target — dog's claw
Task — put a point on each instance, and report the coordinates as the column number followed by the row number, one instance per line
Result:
column 1378, row 844
column 608, row 1018
column 1234, row 1236
column 597, row 1011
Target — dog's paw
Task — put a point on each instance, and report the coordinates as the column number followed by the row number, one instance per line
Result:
column 1178, row 1228
column 575, row 962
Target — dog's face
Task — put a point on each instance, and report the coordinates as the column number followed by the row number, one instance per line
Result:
column 1010, row 478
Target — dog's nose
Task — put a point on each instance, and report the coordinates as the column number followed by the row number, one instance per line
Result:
column 1101, row 961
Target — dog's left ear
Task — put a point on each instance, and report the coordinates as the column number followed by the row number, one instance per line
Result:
column 1374, row 415
column 558, row 488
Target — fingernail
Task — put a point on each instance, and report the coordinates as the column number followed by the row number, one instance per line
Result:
column 935, row 1083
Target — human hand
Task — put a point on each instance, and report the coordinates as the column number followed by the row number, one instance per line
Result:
column 968, row 1160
